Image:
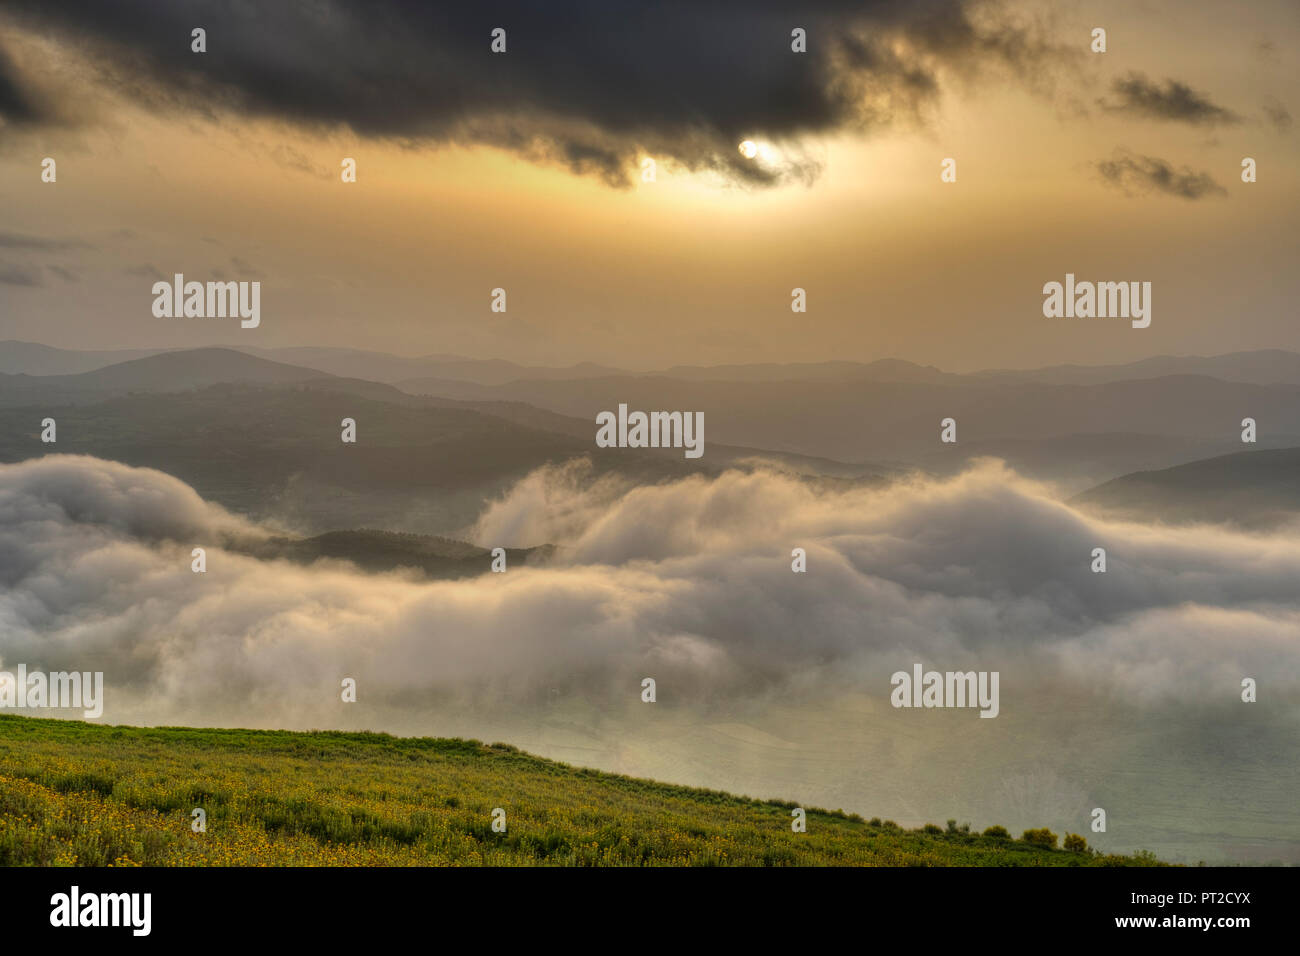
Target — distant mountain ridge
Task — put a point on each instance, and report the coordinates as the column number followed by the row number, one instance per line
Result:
column 1253, row 489
column 29, row 358
column 1260, row 367
column 1083, row 434
column 852, row 427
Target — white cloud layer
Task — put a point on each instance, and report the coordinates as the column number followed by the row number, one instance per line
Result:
column 769, row 682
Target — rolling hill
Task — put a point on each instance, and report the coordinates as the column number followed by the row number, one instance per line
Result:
column 165, row 372
column 1251, row 489
column 1258, row 367
column 275, row 452
column 1078, row 434
column 30, row 358
column 845, row 420
column 381, row 367
column 80, row 794
column 263, row 439
column 436, row 557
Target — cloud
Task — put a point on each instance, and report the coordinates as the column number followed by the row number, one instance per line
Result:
column 690, row 582
column 1173, row 101
column 145, row 270
column 1277, row 115
column 245, row 269
column 1143, row 174
column 108, row 498
column 294, row 159
column 30, row 275
column 16, row 105
column 19, row 275
column 586, row 85
column 15, row 240
column 982, row 566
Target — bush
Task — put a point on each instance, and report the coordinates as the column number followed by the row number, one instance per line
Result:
column 1075, row 843
column 933, row 828
column 1041, row 837
column 1001, row 833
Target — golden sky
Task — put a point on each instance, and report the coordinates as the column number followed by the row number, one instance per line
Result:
column 698, row 266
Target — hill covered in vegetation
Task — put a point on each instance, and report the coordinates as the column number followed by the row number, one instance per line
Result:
column 74, row 793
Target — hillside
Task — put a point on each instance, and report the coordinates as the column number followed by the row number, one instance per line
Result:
column 1077, row 434
column 75, row 793
column 843, row 419
column 1261, row 367
column 31, row 358
column 166, row 372
column 275, row 452
column 1252, row 489
column 437, row 557
column 263, row 439
column 861, row 420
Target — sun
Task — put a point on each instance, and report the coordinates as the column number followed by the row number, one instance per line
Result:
column 748, row 149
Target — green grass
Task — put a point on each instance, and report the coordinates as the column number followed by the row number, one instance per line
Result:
column 77, row 794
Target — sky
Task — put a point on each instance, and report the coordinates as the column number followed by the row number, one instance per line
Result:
column 522, row 170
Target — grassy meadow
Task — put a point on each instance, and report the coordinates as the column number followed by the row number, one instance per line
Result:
column 80, row 794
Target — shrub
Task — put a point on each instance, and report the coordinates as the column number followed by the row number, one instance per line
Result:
column 1075, row 843
column 1041, row 837
column 999, row 832
column 933, row 828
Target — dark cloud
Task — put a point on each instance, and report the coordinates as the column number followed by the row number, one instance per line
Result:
column 293, row 159
column 30, row 275
column 146, row 270
column 15, row 104
column 1173, row 101
column 1143, row 174
column 245, row 268
column 19, row 275
column 586, row 84
column 1277, row 115
column 16, row 240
